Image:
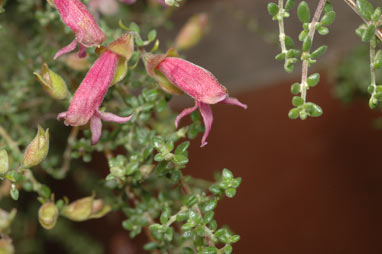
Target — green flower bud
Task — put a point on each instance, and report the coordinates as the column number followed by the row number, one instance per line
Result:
column 6, row 219
column 85, row 209
column 37, row 150
column 192, row 32
column 6, row 246
column 79, row 210
column 99, row 209
column 47, row 215
column 303, row 12
column 4, row 164
column 52, row 83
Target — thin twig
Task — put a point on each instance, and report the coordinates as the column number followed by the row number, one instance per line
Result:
column 281, row 28
column 68, row 151
column 305, row 63
column 353, row 5
column 12, row 144
column 187, row 191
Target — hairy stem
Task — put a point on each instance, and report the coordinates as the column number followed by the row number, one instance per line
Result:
column 372, row 63
column 281, row 27
column 305, row 63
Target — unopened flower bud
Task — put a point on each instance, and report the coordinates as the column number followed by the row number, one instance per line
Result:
column 37, row 150
column 6, row 219
column 192, row 32
column 85, row 209
column 52, row 83
column 77, row 63
column 47, row 215
column 6, row 246
column 79, row 210
column 99, row 209
column 4, row 165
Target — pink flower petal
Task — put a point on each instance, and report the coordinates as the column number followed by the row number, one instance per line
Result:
column 66, row 49
column 96, row 129
column 208, row 118
column 234, row 101
column 193, row 80
column 89, row 95
column 82, row 52
column 109, row 117
column 184, row 113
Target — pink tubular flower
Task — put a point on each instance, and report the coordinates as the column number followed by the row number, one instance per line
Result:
column 87, row 33
column 89, row 95
column 197, row 82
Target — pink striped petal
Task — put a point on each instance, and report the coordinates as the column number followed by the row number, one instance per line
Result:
column 234, row 101
column 184, row 113
column 66, row 49
column 110, row 117
column 96, row 129
column 82, row 52
column 208, row 118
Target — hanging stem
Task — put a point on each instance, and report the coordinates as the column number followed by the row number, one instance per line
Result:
column 353, row 5
column 305, row 63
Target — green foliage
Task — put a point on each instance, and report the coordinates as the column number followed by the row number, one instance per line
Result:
column 144, row 158
column 303, row 109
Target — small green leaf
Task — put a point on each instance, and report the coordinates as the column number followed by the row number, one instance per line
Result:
column 209, row 250
column 210, row 205
column 289, row 4
column 182, row 147
column 152, row 35
column 190, row 200
column 273, row 9
column 303, row 12
column 328, row 18
column 280, row 57
column 319, row 52
column 179, row 159
column 313, row 79
column 14, row 193
column 323, row 30
column 365, row 9
column 133, row 26
column 295, row 88
column 150, row 246
column 230, row 192
column 297, row 101
column 369, row 33
column 293, row 113
column 289, row 43
column 44, row 191
column 227, row 174
column 307, row 44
